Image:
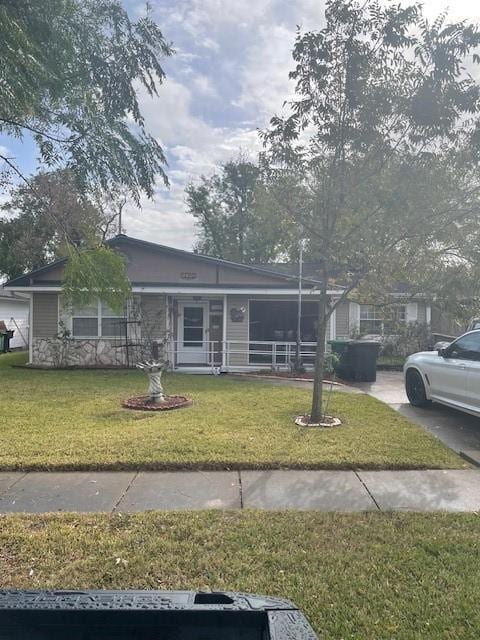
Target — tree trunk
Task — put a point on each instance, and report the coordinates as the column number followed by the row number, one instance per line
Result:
column 316, row 412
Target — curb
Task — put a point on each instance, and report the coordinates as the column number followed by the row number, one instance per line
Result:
column 472, row 457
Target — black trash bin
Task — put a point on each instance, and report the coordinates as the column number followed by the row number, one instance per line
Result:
column 8, row 335
column 362, row 359
column 145, row 615
column 5, row 336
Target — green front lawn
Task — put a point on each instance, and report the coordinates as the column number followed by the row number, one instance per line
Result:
column 380, row 576
column 74, row 420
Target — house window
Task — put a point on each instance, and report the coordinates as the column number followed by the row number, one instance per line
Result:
column 112, row 325
column 97, row 320
column 400, row 311
column 85, row 322
column 381, row 320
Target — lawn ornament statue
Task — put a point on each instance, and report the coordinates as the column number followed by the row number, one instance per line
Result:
column 154, row 370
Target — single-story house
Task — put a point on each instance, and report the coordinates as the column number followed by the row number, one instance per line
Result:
column 14, row 311
column 210, row 314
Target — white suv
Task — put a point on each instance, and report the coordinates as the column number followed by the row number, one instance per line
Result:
column 450, row 375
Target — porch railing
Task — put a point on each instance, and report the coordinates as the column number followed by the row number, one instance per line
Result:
column 238, row 354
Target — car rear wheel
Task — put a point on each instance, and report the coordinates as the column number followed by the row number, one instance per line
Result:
column 416, row 389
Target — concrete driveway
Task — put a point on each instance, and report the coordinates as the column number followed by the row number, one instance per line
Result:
column 459, row 431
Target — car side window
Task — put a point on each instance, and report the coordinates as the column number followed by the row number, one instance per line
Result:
column 467, row 347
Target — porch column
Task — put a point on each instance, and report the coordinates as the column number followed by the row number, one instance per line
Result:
column 224, row 333
column 428, row 314
column 411, row 313
column 354, row 315
column 333, row 325
column 30, row 329
column 169, row 333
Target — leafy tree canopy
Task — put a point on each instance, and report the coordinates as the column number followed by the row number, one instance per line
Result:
column 384, row 122
column 46, row 217
column 69, row 75
column 236, row 217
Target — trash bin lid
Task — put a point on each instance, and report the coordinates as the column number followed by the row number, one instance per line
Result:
column 103, row 614
column 366, row 345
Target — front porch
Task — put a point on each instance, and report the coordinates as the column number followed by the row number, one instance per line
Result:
column 238, row 333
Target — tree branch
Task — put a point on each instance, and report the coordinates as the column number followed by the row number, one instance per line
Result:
column 48, row 136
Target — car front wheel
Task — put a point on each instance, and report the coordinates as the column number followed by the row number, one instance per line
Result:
column 415, row 389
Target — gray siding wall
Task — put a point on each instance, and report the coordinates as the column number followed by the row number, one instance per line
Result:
column 153, row 311
column 237, row 331
column 45, row 315
column 237, row 276
column 343, row 320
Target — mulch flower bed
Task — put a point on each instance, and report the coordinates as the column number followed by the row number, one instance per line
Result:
column 326, row 422
column 143, row 403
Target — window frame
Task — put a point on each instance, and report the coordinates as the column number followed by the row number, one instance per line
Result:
column 380, row 315
column 99, row 317
column 373, row 312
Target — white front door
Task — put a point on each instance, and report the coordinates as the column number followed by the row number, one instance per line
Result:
column 192, row 342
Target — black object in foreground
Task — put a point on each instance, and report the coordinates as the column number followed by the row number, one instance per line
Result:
column 148, row 615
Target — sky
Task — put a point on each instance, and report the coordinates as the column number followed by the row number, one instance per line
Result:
column 229, row 76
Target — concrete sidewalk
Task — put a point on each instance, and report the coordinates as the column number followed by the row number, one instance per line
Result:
column 39, row 492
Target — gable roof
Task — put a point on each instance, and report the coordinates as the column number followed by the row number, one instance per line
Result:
column 124, row 240
column 261, row 269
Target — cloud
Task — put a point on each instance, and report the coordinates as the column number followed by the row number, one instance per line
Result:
column 264, row 77
column 229, row 77
column 162, row 220
column 265, row 85
column 204, row 86
column 193, row 148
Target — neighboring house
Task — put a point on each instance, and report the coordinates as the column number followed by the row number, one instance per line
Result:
column 210, row 313
column 14, row 311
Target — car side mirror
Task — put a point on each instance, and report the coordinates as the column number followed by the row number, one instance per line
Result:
column 444, row 352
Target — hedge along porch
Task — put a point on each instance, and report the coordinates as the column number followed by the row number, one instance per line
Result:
column 209, row 312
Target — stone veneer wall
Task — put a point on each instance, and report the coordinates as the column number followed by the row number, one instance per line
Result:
column 57, row 352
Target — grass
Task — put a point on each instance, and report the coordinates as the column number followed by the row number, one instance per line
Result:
column 65, row 420
column 399, row 576
column 13, row 358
